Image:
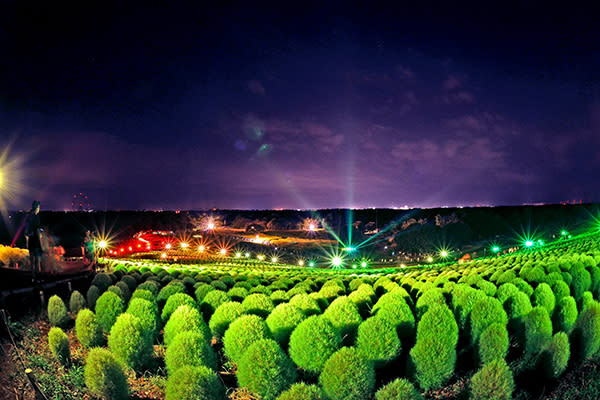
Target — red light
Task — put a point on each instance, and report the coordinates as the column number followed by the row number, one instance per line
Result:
column 122, row 249
column 139, row 246
column 129, row 248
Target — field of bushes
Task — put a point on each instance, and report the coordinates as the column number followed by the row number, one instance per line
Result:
column 494, row 328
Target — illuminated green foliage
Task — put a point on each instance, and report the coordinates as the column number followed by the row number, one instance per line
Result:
column 486, row 312
column 312, row 342
column 493, row 343
column 104, row 375
column 494, row 381
column 347, row 375
column 283, row 320
column 538, row 330
column 194, row 383
column 566, row 314
column 223, row 316
column 259, row 304
column 377, row 341
column 190, row 348
column 173, row 302
column 301, row 391
column 398, row 389
column 87, row 329
column 185, row 318
column 59, row 345
column 76, row 302
column 242, row 332
column 108, row 307
column 57, row 312
column 130, row 343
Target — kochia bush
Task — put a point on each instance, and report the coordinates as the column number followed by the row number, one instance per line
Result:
column 173, row 302
column 108, row 307
column 211, row 301
column 194, row 383
column 76, row 302
column 87, row 329
column 586, row 332
column 344, row 316
column 301, row 391
column 377, row 341
column 283, row 320
column 538, row 330
column 493, row 343
column 398, row 389
column 434, row 355
column 223, row 316
column 494, row 381
column 185, row 318
column 147, row 313
column 242, row 332
column 104, row 375
column 306, row 304
column 58, row 342
column 189, row 348
column 565, row 314
column 346, row 375
column 312, row 342
column 130, row 342
column 57, row 312
column 393, row 308
column 555, row 357
column 259, row 304
column 92, row 296
column 544, row 296
column 265, row 369
column 485, row 312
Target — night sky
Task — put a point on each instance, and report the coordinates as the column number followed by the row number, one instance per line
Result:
column 243, row 106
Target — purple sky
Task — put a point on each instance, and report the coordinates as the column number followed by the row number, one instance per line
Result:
column 307, row 107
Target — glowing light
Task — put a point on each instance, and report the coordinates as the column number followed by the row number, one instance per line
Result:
column 402, row 265
column 102, row 244
column 184, row 245
column 337, row 261
column 274, row 259
column 238, row 254
column 201, row 248
column 300, row 262
column 163, row 255
column 168, row 246
column 429, row 259
column 223, row 251
column 247, row 255
column 363, row 264
column 260, row 257
column 1, row 179
column 540, row 242
column 563, row 232
column 528, row 243
column 211, row 225
column 495, row 249
column 311, row 227
column 349, row 249
column 311, row 264
column 443, row 253
column 130, row 248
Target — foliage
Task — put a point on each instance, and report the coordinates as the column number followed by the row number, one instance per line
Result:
column 92, row 296
column 223, row 316
column 185, row 318
column 377, row 341
column 147, row 313
column 104, row 376
column 173, row 302
column 59, row 345
column 312, row 342
column 544, row 296
column 344, row 316
column 301, row 391
column 586, row 332
column 190, row 348
column 485, row 312
column 57, row 312
column 538, row 330
column 398, row 389
column 108, row 307
column 259, row 304
column 555, row 357
column 346, row 375
column 102, row 281
column 393, row 308
column 494, row 381
column 194, row 383
column 87, row 329
column 76, row 302
column 265, row 369
column 282, row 321
column 242, row 332
column 566, row 314
column 130, row 342
column 493, row 343
column 211, row 301
column 306, row 304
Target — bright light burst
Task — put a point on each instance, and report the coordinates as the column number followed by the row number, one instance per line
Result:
column 168, row 246
column 260, row 257
column 102, row 244
column 201, row 248
column 337, row 261
column 364, row 264
column 529, row 243
column 444, row 253
column 429, row 259
column 223, row 251
column 301, row 262
column 311, row 264
column 274, row 259
column 11, row 180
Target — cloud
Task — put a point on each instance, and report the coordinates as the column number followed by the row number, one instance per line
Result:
column 405, row 72
column 256, row 87
column 451, row 83
column 303, row 134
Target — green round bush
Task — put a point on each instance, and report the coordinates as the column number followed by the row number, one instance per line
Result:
column 130, row 281
column 464, row 299
column 344, row 316
column 544, row 296
column 102, row 281
column 237, row 293
column 586, row 299
column 167, row 291
column 87, row 329
column 283, row 320
column 560, row 289
column 57, row 312
column 398, row 389
column 76, row 302
column 494, row 381
column 301, row 391
column 538, row 330
column 92, row 296
column 485, row 312
column 58, row 342
column 346, row 375
column 241, row 333
column 517, row 306
column 493, row 343
column 125, row 292
column 259, row 304
column 279, row 296
column 363, row 298
column 223, row 316
column 104, row 375
column 147, row 313
column 582, row 281
column 201, row 290
column 194, row 383
column 265, row 369
column 143, row 294
column 219, row 285
column 150, row 286
column 565, row 314
column 108, row 307
column 211, row 301
column 173, row 302
column 306, row 304
column 394, row 308
column 185, row 318
column 523, row 286
column 377, row 341
column 190, row 348
column 433, row 357
column 586, row 332
column 130, row 342
column 312, row 342
column 429, row 297
column 117, row 290
column 554, row 359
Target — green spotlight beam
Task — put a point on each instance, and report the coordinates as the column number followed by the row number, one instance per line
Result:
column 386, row 229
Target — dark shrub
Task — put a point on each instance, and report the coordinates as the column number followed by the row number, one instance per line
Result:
column 312, row 342
column 147, row 313
column 108, row 307
column 190, row 348
column 130, row 342
column 104, row 375
column 301, row 391
column 242, row 332
column 223, row 316
column 259, row 304
column 265, row 369
column 485, row 312
column 434, row 355
column 150, row 286
column 283, row 320
column 59, row 345
column 194, row 383
column 566, row 314
column 173, row 302
column 219, row 285
column 185, row 318
column 393, row 308
column 544, row 296
column 494, row 381
column 130, row 281
column 211, row 301
column 346, row 375
column 168, row 291
column 344, row 316
column 76, row 302
column 398, row 389
column 117, row 290
column 493, row 343
column 306, row 304
column 102, row 281
column 554, row 359
column 586, row 333
column 125, row 292
column 87, row 329
column 92, row 296
column 377, row 341
column 57, row 312
column 538, row 330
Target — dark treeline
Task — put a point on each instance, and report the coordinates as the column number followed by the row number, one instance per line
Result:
column 410, row 229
